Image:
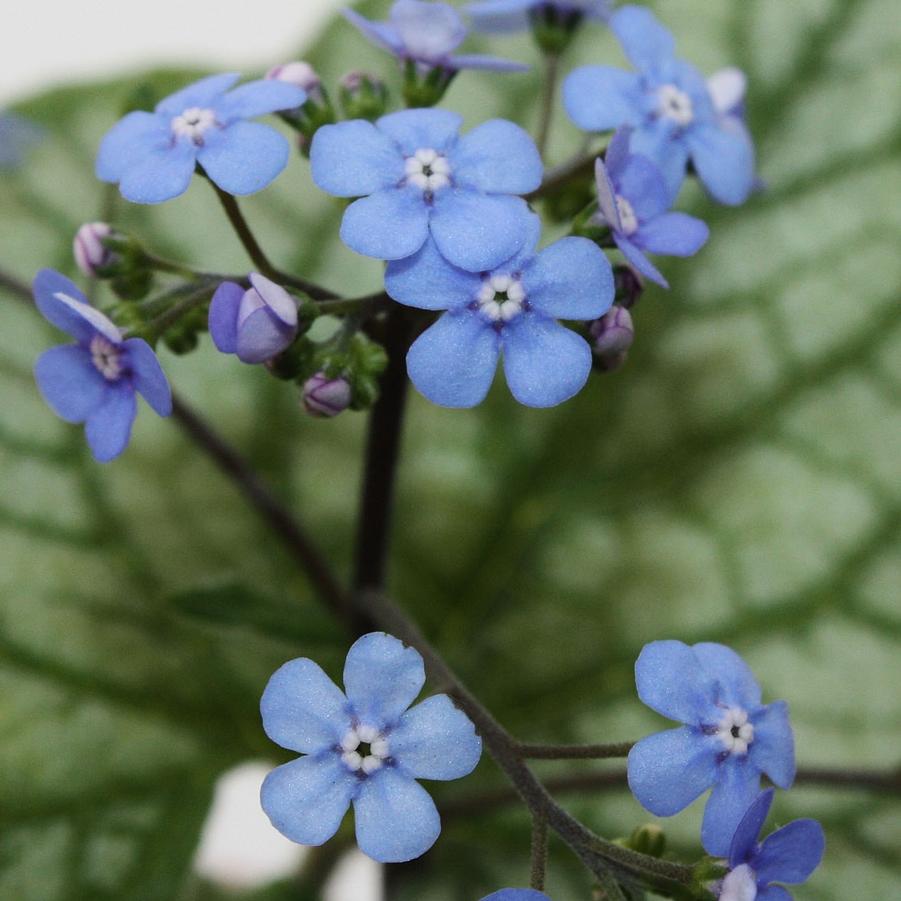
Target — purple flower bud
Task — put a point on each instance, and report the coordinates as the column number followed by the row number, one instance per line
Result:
column 629, row 286
column 613, row 335
column 323, row 396
column 363, row 96
column 300, row 74
column 90, row 254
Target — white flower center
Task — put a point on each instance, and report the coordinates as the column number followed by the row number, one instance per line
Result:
column 501, row 298
column 734, row 731
column 106, row 357
column 192, row 123
column 427, row 170
column 365, row 749
column 739, row 885
column 627, row 217
column 675, row 104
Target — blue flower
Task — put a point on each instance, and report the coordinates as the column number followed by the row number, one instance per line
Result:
column 728, row 740
column 17, row 136
column 633, row 202
column 364, row 748
column 510, row 310
column 789, row 855
column 415, row 176
column 427, row 34
column 152, row 156
column 94, row 381
column 669, row 104
column 516, row 894
column 255, row 323
column 514, row 15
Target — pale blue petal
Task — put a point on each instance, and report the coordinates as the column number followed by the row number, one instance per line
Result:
column 428, row 31
column 353, row 159
column 62, row 304
column 668, row 770
column 618, row 152
column 379, row 33
column 307, row 798
column 203, row 93
column 453, row 362
column 396, row 820
column 736, row 684
column 646, row 43
column 479, row 232
column 244, row 157
column 148, row 377
column 607, row 196
column 257, row 98
column 108, row 427
column 499, row 16
column 638, row 260
column 659, row 143
column 671, row 679
column 773, row 748
column 571, row 279
column 545, row 363
column 641, row 183
column 527, row 252
column 69, row 382
column 388, row 225
column 416, row 129
column 435, row 740
column 516, row 894
column 262, row 335
column 723, row 156
column 672, row 234
column 497, row 157
column 128, row 142
column 774, row 893
column 427, row 281
column 744, row 842
column 737, row 787
column 791, row 853
column 481, row 62
column 600, row 98
column 160, row 175
column 382, row 678
column 223, row 318
column 302, row 709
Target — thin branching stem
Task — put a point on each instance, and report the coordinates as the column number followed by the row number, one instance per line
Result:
column 538, row 851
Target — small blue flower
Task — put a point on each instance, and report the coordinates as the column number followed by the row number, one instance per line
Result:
column 152, row 156
column 500, row 16
column 510, row 310
column 415, row 176
column 669, row 105
column 790, row 855
column 516, row 894
column 255, row 323
column 94, row 381
column 728, row 740
column 17, row 136
column 364, row 748
column 427, row 34
column 633, row 202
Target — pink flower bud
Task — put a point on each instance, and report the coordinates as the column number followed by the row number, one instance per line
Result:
column 326, row 397
column 88, row 249
column 299, row 73
column 613, row 335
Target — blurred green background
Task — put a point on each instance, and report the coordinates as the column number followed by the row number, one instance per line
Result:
column 738, row 481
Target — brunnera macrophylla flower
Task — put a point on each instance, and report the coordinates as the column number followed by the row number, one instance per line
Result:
column 415, row 176
column 499, row 16
column 633, row 202
column 516, row 894
column 427, row 34
column 729, row 738
column 669, row 105
column 788, row 855
column 94, row 380
column 254, row 323
column 152, row 156
column 364, row 747
column 510, row 311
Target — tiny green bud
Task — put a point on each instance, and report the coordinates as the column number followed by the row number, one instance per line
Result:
column 425, row 85
column 648, row 839
column 363, row 96
column 553, row 28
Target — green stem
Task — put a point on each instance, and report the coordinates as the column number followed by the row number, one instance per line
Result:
column 161, row 324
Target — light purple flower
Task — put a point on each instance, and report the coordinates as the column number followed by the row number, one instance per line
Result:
column 517, row 894
column 613, row 335
column 326, row 397
column 499, row 16
column 88, row 249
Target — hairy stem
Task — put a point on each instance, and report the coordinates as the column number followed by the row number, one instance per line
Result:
column 539, row 851
column 579, row 167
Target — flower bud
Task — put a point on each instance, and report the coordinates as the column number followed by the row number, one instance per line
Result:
column 648, row 839
column 613, row 335
column 554, row 25
column 363, row 96
column 91, row 255
column 326, row 397
column 629, row 286
column 301, row 74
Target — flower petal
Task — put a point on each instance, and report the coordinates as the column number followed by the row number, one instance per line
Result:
column 160, row 174
column 382, row 678
column 646, row 43
column 516, row 894
column 791, row 853
column 302, row 709
column 638, row 260
column 723, row 156
column 354, row 159
column 201, row 93
column 307, row 798
column 69, row 382
column 670, row 679
column 499, row 16
column 262, row 335
column 737, row 787
column 62, row 304
column 453, row 362
column 148, row 376
column 279, row 301
column 774, row 893
column 545, row 363
column 599, row 98
column 435, row 740
column 617, row 153
column 108, row 427
column 571, row 279
column 744, row 842
column 417, row 129
column 388, row 225
column 737, row 685
column 427, row 281
column 223, row 317
column 497, row 157
column 128, row 142
column 428, row 31
column 727, row 88
column 481, row 62
column 607, row 196
column 773, row 748
column 672, row 234
column 396, row 820
column 659, row 143
column 382, row 34
column 642, row 184
column 244, row 157
column 257, row 98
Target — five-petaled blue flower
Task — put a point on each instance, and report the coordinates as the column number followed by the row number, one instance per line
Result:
column 789, row 855
column 728, row 740
column 364, row 748
column 510, row 310
column 669, row 104
column 516, row 894
column 256, row 323
column 427, row 34
column 514, row 15
column 415, row 176
column 152, row 156
column 633, row 202
column 94, row 381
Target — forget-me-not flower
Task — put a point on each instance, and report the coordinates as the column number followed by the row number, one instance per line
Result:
column 509, row 311
column 152, row 156
column 514, row 15
column 633, row 202
column 363, row 748
column 416, row 176
column 729, row 738
column 516, row 894
column 255, row 323
column 94, row 380
column 669, row 105
column 789, row 855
